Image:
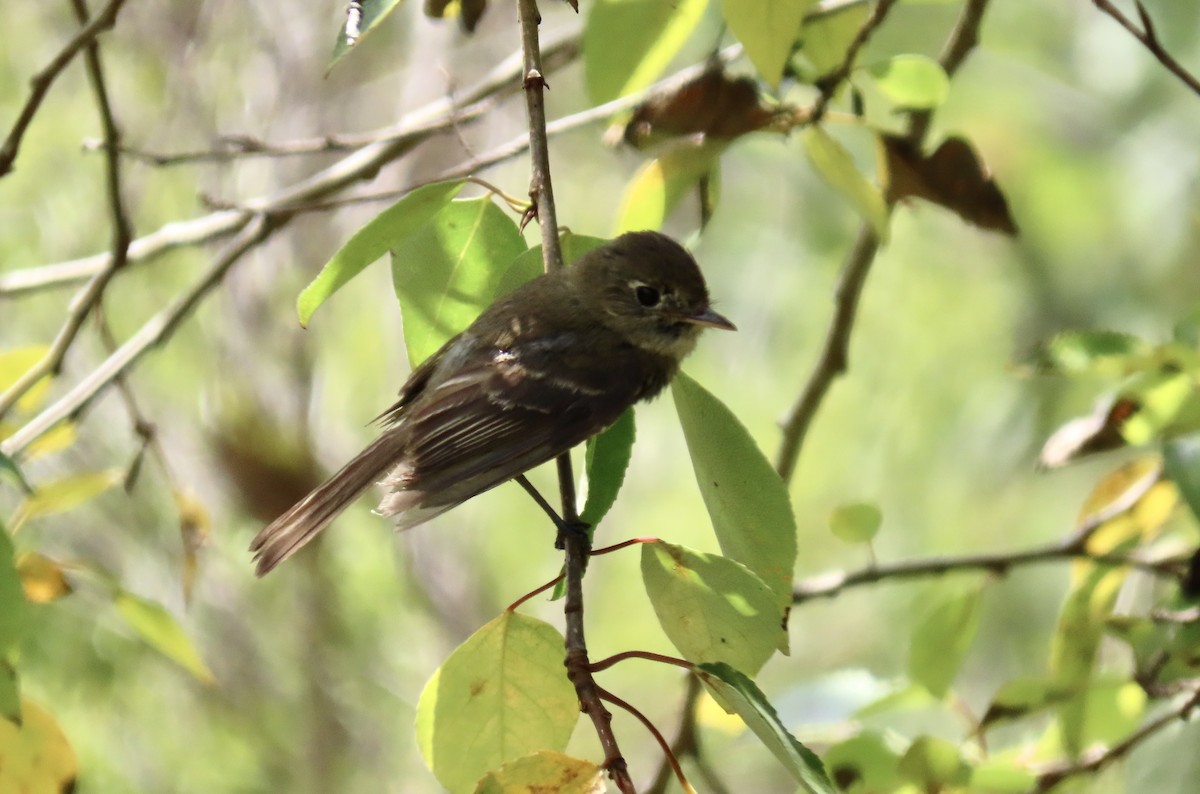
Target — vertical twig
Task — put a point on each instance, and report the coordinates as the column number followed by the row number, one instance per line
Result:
column 833, row 358
column 93, row 292
column 575, row 544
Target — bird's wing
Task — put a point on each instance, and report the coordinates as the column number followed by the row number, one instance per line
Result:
column 506, row 412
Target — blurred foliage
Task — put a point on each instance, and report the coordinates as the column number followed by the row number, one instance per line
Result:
column 136, row 646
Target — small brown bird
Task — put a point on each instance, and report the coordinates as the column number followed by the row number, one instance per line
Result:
column 540, row 370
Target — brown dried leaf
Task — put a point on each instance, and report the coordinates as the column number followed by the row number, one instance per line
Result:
column 953, row 177
column 1099, row 431
column 714, row 105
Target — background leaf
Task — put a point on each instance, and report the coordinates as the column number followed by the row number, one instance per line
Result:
column 372, row 241
column 659, row 185
column 37, row 758
column 768, row 29
column 448, row 271
column 835, row 165
column 158, row 627
column 651, row 34
column 910, row 81
column 943, row 638
column 856, row 523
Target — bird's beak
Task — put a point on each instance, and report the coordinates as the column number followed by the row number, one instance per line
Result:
column 710, row 319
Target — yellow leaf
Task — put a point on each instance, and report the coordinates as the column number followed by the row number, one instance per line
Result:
column 36, row 755
column 42, row 578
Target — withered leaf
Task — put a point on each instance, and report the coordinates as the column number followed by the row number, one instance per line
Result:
column 953, row 177
column 1099, row 431
column 714, row 105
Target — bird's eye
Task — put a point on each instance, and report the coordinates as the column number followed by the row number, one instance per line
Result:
column 647, row 296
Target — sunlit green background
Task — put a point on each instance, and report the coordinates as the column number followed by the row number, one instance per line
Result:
column 318, row 667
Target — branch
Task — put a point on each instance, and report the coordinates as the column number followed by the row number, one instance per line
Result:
column 1148, row 36
column 456, row 112
column 831, row 82
column 1049, row 778
column 157, row 329
column 833, row 359
column 832, row 584
column 41, row 82
column 91, row 295
column 1073, row 546
column 576, row 544
column 361, row 165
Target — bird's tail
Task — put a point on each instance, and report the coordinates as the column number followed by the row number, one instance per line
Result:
column 286, row 534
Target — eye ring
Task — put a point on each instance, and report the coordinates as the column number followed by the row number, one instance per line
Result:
column 647, row 296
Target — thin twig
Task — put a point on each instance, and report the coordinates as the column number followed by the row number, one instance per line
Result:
column 157, row 329
column 658, row 737
column 833, row 359
column 833, row 81
column 1049, row 778
column 616, row 658
column 91, row 295
column 1148, row 36
column 318, row 188
column 576, row 544
column 41, row 82
column 832, row 584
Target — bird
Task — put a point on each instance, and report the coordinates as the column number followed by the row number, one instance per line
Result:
column 542, row 369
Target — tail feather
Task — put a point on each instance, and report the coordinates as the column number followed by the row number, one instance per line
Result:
column 288, row 533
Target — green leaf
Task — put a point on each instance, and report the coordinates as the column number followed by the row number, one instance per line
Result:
column 856, row 523
column 934, row 765
column 835, row 165
column 864, row 762
column 371, row 242
column 628, row 43
column 14, row 364
column 1181, row 465
column 529, row 265
column 1100, row 351
column 710, row 607
column 737, row 694
column 747, row 502
column 827, row 36
column 1021, row 697
column 501, row 695
column 659, row 185
column 64, row 494
column 767, row 29
column 942, row 639
column 1168, row 404
column 1002, row 775
column 158, row 627
column 373, row 12
column 1076, row 644
column 543, row 772
column 605, row 461
column 911, row 81
column 448, row 271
